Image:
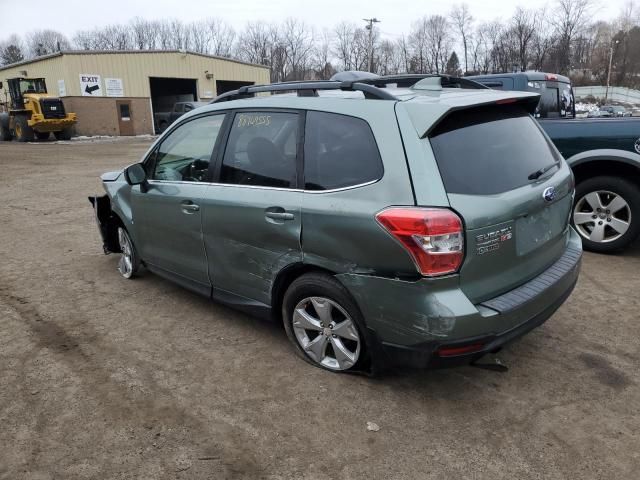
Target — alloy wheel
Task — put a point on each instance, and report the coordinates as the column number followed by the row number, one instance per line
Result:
column 125, row 264
column 326, row 333
column 602, row 216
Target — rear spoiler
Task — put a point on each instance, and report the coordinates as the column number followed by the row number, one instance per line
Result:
column 424, row 122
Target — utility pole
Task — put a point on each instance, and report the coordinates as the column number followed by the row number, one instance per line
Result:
column 606, row 93
column 370, row 22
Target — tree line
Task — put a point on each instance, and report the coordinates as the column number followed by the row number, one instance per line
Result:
column 562, row 38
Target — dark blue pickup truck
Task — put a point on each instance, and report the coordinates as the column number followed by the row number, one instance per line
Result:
column 603, row 153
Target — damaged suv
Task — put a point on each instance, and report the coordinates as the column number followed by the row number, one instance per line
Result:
column 386, row 220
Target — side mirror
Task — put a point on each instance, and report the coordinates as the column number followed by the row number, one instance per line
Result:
column 135, row 174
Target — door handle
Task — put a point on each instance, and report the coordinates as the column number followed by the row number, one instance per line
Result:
column 189, row 207
column 280, row 215
column 277, row 215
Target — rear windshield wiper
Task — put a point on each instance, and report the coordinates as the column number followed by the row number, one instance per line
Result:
column 538, row 173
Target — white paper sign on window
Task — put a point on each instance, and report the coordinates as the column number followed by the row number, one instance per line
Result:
column 62, row 89
column 114, row 87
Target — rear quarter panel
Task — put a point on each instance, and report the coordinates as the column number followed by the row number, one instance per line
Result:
column 339, row 230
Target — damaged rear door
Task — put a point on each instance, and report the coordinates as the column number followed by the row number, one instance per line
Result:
column 251, row 215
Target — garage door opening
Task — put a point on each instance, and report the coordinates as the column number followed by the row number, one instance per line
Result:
column 165, row 92
column 224, row 86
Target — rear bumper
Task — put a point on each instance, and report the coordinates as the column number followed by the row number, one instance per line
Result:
column 425, row 316
column 426, row 355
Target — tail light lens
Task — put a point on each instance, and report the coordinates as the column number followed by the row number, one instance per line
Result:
column 432, row 236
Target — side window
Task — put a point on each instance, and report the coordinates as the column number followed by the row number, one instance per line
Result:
column 185, row 154
column 339, row 151
column 261, row 150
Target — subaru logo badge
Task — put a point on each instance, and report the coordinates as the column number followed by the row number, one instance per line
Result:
column 549, row 194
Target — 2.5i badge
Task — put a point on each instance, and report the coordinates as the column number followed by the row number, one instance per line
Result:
column 490, row 241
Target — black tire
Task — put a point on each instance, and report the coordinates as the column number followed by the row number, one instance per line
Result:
column 5, row 134
column 64, row 134
column 162, row 126
column 42, row 135
column 24, row 133
column 621, row 187
column 324, row 285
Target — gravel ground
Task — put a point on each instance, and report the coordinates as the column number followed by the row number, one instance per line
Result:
column 104, row 378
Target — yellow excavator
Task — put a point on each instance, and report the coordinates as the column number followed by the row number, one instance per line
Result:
column 32, row 112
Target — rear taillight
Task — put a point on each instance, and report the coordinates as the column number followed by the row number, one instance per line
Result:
column 432, row 236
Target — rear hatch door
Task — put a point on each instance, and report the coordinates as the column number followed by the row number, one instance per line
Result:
column 512, row 189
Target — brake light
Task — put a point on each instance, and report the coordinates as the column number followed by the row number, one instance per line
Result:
column 432, row 236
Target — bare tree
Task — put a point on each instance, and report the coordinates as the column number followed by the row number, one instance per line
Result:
column 463, row 20
column 321, row 56
column 199, row 36
column 222, row 37
column 420, row 58
column 438, row 41
column 143, row 33
column 569, row 19
column 43, row 42
column 254, row 44
column 523, row 25
column 297, row 39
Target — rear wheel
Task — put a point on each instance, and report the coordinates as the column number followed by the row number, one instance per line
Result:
column 24, row 133
column 64, row 134
column 5, row 134
column 606, row 213
column 323, row 323
column 42, row 135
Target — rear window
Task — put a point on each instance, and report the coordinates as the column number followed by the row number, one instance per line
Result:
column 489, row 150
column 339, row 151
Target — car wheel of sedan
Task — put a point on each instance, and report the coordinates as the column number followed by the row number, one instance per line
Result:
column 323, row 323
column 129, row 264
column 606, row 213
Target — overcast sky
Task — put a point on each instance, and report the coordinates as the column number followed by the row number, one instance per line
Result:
column 69, row 16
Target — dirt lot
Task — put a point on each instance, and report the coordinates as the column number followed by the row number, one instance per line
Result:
column 104, row 378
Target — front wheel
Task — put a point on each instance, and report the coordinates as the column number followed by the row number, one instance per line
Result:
column 24, row 133
column 129, row 263
column 64, row 134
column 323, row 323
column 606, row 213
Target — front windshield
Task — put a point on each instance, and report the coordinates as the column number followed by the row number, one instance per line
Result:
column 35, row 85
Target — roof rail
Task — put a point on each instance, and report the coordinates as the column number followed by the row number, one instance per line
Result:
column 409, row 80
column 406, row 80
column 306, row 88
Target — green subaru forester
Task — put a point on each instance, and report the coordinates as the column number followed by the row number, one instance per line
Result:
column 385, row 221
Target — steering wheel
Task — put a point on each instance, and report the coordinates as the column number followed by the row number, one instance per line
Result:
column 196, row 171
